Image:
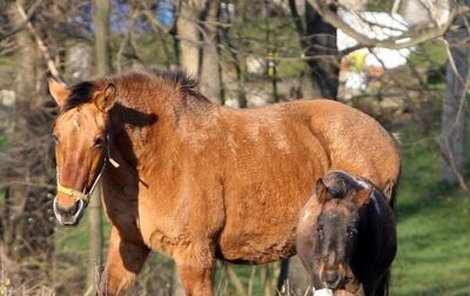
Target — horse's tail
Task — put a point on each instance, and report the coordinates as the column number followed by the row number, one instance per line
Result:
column 382, row 289
column 391, row 191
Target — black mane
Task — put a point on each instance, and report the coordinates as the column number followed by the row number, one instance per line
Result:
column 79, row 94
column 82, row 92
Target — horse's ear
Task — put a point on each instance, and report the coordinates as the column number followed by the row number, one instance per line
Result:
column 388, row 190
column 363, row 196
column 321, row 191
column 57, row 89
column 105, row 99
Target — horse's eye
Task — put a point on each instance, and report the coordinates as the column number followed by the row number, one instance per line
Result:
column 99, row 142
column 352, row 233
column 56, row 139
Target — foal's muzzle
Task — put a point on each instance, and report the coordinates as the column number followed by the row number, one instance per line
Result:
column 332, row 279
column 71, row 215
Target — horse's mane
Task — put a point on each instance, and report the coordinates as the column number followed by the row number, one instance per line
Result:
column 81, row 93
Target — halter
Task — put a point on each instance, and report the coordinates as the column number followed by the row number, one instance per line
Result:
column 83, row 197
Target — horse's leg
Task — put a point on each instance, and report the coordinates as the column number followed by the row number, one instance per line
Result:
column 124, row 262
column 195, row 267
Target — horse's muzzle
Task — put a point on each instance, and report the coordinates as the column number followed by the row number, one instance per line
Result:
column 69, row 216
column 332, row 279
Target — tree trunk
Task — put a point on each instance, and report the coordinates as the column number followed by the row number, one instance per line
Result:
column 210, row 69
column 188, row 27
column 318, row 42
column 454, row 116
column 321, row 48
column 101, row 20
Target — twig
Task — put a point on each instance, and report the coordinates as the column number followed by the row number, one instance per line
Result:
column 25, row 22
column 42, row 47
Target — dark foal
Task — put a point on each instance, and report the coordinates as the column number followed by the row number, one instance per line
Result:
column 346, row 236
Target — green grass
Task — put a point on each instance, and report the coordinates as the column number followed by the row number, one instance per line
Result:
column 433, row 228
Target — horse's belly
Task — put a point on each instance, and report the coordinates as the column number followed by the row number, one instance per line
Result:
column 256, row 251
column 259, row 237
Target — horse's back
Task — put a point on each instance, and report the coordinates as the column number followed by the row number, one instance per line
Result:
column 355, row 142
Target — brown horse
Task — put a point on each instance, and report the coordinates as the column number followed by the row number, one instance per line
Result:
column 346, row 236
column 198, row 181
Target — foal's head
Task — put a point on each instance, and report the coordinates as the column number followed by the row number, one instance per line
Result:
column 341, row 197
column 81, row 136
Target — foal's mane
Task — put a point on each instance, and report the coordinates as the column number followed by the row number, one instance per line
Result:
column 82, row 92
column 340, row 183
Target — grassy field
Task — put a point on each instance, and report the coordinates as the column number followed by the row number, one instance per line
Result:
column 433, row 227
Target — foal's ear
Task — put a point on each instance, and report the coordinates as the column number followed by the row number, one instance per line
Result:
column 363, row 196
column 105, row 99
column 321, row 191
column 57, row 89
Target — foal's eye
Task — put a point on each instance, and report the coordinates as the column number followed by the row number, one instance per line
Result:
column 352, row 233
column 99, row 142
column 56, row 140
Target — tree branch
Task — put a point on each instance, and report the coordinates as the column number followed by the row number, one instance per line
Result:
column 23, row 25
column 408, row 39
column 296, row 18
column 42, row 47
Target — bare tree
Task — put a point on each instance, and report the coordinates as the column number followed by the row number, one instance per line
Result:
column 210, row 69
column 318, row 42
column 431, row 30
column 102, row 57
column 454, row 112
column 187, row 24
column 26, row 242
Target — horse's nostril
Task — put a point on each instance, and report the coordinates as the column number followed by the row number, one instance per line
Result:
column 69, row 211
column 69, row 215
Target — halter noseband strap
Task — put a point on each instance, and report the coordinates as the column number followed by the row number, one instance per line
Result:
column 85, row 196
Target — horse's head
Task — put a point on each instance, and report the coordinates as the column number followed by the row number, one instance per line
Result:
column 81, row 133
column 341, row 197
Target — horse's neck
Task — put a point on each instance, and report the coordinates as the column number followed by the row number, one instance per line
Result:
column 129, row 140
column 145, row 124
